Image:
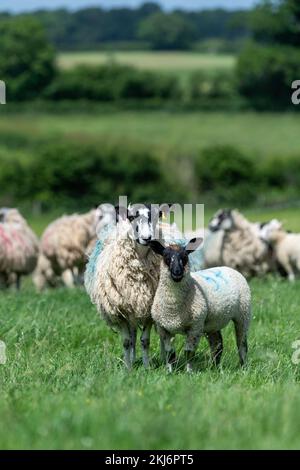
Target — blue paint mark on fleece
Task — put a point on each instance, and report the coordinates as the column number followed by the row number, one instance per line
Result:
column 213, row 277
column 92, row 263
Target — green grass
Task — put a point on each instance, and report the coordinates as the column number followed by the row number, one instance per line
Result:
column 261, row 135
column 64, row 385
column 179, row 63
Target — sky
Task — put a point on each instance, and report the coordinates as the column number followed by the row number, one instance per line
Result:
column 27, row 5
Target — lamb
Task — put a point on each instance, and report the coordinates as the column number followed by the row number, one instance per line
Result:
column 286, row 247
column 64, row 246
column 197, row 304
column 236, row 242
column 122, row 276
column 19, row 248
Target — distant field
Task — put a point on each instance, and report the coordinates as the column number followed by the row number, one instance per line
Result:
column 176, row 62
column 261, row 135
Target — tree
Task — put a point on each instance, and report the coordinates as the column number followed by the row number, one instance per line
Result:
column 267, row 68
column 277, row 21
column 26, row 58
column 167, row 31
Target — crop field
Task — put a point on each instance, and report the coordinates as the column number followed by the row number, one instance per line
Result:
column 64, row 384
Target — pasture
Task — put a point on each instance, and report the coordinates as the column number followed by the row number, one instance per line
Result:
column 259, row 134
column 64, row 385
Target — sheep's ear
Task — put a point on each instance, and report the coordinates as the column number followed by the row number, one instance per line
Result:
column 193, row 245
column 157, row 247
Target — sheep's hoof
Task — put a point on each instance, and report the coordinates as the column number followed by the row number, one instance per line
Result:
column 189, row 369
column 169, row 368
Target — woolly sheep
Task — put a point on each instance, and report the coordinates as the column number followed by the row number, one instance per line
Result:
column 235, row 242
column 198, row 304
column 121, row 279
column 286, row 247
column 18, row 248
column 64, row 245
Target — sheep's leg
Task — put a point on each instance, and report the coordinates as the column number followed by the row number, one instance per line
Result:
column 125, row 333
column 216, row 346
column 18, row 282
column 287, row 266
column 241, row 330
column 145, row 342
column 163, row 355
column 191, row 345
column 132, row 344
column 68, row 278
column 167, row 349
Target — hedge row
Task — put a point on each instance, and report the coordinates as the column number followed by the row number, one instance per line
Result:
column 76, row 175
column 114, row 83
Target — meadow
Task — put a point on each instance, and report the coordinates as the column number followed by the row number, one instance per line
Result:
column 179, row 63
column 259, row 134
column 64, row 385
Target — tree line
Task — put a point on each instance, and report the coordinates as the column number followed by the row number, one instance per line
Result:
column 146, row 27
column 267, row 66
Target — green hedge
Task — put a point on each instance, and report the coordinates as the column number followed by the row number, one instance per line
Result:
column 73, row 174
column 111, row 83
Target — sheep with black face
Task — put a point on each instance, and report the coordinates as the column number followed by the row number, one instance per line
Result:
column 198, row 304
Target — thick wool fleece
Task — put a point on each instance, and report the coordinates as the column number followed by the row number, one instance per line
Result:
column 204, row 302
column 121, row 279
column 18, row 245
column 239, row 248
column 65, row 241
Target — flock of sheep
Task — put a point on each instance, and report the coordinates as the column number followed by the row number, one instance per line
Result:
column 136, row 280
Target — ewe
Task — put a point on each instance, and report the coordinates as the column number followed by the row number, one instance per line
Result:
column 64, row 245
column 197, row 304
column 235, row 242
column 18, row 248
column 122, row 276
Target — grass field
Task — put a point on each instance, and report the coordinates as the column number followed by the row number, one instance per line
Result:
column 181, row 63
column 64, row 385
column 260, row 135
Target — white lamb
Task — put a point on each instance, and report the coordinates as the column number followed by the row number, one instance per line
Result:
column 19, row 248
column 198, row 304
column 286, row 247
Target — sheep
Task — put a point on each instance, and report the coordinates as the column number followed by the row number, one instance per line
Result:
column 19, row 248
column 122, row 276
column 286, row 247
column 197, row 304
column 64, row 249
column 236, row 242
